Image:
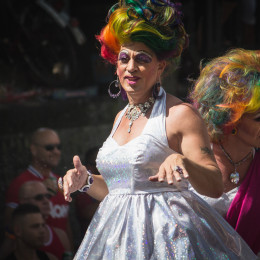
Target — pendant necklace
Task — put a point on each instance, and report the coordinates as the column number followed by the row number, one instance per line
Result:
column 234, row 176
column 134, row 111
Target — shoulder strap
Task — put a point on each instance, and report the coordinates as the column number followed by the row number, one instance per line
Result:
column 118, row 121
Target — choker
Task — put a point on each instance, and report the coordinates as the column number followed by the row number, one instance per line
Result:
column 134, row 111
column 234, row 176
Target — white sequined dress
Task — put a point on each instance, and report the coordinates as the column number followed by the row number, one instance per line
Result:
column 140, row 219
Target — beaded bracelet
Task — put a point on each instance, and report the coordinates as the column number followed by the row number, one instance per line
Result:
column 88, row 183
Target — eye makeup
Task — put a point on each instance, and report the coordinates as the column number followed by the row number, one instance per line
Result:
column 123, row 56
column 140, row 57
column 143, row 57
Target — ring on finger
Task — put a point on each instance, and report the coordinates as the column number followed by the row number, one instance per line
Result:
column 60, row 183
column 178, row 169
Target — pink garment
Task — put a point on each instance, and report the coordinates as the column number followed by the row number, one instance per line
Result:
column 244, row 212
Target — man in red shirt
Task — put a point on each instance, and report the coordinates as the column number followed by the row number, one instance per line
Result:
column 56, row 240
column 45, row 149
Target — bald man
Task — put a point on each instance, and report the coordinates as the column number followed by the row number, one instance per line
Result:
column 45, row 150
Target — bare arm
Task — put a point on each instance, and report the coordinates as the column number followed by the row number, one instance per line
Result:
column 200, row 163
column 187, row 135
column 99, row 188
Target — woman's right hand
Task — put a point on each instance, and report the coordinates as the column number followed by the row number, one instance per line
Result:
column 173, row 168
column 74, row 178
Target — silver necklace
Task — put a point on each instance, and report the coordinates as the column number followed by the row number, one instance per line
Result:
column 234, row 176
column 134, row 111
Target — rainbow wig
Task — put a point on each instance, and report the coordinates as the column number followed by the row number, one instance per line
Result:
column 156, row 23
column 227, row 88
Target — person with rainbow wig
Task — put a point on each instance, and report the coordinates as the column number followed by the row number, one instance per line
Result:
column 147, row 211
column 227, row 95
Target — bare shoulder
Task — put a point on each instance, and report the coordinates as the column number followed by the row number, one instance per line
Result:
column 181, row 115
column 185, row 128
column 117, row 116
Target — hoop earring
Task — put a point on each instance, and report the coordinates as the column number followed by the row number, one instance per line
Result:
column 117, row 85
column 234, row 131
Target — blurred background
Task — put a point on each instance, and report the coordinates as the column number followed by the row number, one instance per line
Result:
column 51, row 74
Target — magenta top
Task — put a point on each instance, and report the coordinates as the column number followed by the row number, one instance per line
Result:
column 244, row 212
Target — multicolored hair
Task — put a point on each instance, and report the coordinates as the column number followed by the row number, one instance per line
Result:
column 156, row 23
column 227, row 88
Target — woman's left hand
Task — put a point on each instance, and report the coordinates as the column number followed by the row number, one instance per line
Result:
column 172, row 167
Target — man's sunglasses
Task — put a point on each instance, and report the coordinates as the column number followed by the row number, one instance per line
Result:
column 40, row 197
column 50, row 147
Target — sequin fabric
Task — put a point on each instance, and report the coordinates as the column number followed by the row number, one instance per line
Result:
column 221, row 204
column 140, row 219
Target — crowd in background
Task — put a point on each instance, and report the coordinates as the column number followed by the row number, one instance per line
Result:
column 237, row 25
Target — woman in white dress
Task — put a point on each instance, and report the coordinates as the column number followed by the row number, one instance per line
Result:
column 147, row 211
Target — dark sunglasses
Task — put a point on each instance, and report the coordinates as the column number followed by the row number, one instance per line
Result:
column 40, row 197
column 50, row 147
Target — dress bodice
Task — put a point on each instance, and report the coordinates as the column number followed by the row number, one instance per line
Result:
column 126, row 168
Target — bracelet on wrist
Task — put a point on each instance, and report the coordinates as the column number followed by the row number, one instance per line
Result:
column 88, row 183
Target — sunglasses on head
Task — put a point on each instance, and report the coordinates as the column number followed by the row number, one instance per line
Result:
column 50, row 147
column 40, row 197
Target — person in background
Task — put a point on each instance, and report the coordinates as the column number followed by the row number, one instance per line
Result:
column 45, row 148
column 147, row 211
column 29, row 229
column 56, row 240
column 227, row 95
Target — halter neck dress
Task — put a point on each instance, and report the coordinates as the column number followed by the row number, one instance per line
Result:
column 140, row 219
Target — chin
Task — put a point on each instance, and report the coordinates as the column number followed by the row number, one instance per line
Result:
column 54, row 163
column 131, row 89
